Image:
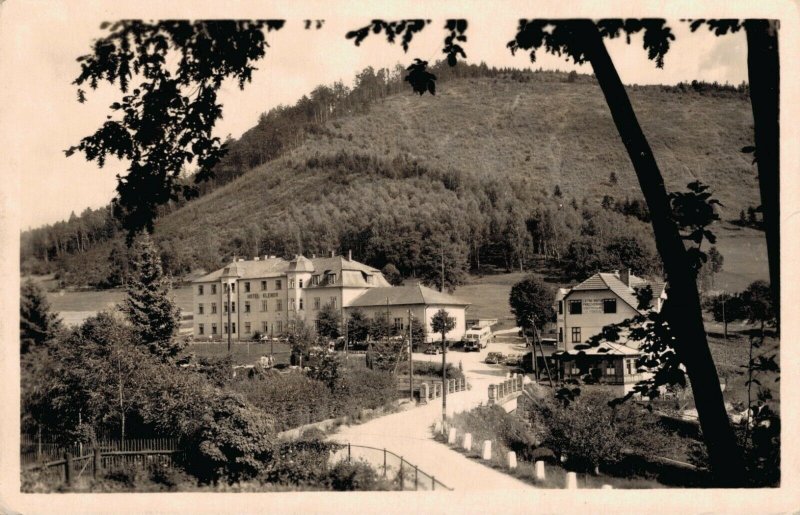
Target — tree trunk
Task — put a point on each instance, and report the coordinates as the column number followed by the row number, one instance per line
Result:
column 763, row 68
column 684, row 313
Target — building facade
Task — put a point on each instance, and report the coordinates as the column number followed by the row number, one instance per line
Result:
column 266, row 295
column 582, row 312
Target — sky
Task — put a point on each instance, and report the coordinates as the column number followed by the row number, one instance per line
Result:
column 40, row 41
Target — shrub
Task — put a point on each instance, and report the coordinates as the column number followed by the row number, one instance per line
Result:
column 356, row 475
column 299, row 463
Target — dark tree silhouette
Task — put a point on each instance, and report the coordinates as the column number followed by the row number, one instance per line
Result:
column 38, row 324
column 164, row 124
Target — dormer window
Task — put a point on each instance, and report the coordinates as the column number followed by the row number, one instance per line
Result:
column 332, row 278
column 314, row 280
column 369, row 278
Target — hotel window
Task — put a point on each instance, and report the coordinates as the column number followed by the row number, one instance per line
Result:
column 291, row 283
column 213, row 308
column 560, row 334
column 264, row 327
column 316, row 302
column 279, row 326
column 213, row 289
column 332, row 278
column 200, row 309
column 233, row 328
column 263, row 285
column 278, row 305
column 224, row 328
column 247, row 328
column 560, row 307
column 247, row 307
column 333, row 302
column 247, row 287
column 314, row 280
column 213, row 328
column 233, row 308
column 609, row 305
column 300, row 283
column 263, row 305
column 200, row 329
column 316, row 325
column 278, row 284
column 233, row 290
column 575, row 307
column 301, row 304
column 576, row 335
column 200, row 290
column 398, row 324
column 291, row 304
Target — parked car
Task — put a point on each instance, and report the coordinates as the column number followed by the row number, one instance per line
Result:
column 433, row 349
column 513, row 360
column 493, row 358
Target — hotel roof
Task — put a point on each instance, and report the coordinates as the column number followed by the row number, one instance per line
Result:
column 406, row 295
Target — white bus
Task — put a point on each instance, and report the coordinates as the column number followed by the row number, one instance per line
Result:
column 477, row 338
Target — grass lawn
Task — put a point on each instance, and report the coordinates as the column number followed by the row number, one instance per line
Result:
column 243, row 353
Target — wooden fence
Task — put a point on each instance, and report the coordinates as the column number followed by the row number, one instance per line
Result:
column 35, row 452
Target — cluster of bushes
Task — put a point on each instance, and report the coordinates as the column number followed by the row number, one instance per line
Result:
column 328, row 391
column 430, row 369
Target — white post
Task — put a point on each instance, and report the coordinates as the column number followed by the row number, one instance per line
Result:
column 437, row 427
column 540, row 470
column 606, row 487
column 451, row 437
column 572, row 481
column 512, row 460
column 487, row 450
column 467, row 444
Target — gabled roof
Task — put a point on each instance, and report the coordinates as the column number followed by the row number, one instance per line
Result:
column 273, row 267
column 612, row 281
column 406, row 295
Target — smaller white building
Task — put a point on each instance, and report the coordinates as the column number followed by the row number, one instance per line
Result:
column 419, row 301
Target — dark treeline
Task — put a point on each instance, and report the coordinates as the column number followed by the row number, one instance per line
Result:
column 504, row 237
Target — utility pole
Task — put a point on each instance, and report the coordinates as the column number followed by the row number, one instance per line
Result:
column 724, row 322
column 410, row 360
column 444, row 380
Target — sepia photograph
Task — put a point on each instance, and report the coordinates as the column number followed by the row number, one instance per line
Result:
column 460, row 252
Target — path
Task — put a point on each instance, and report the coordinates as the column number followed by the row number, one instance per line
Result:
column 409, row 433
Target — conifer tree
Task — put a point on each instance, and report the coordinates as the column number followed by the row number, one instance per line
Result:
column 149, row 308
column 37, row 323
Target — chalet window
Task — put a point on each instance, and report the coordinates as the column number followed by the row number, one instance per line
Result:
column 263, row 285
column 247, row 328
column 574, row 371
column 213, row 308
column 213, row 328
column 201, row 329
column 278, row 284
column 560, row 307
column 263, row 305
column 575, row 307
column 213, row 289
column 629, row 366
column 609, row 305
column 247, row 307
column 576, row 335
column 200, row 290
column 316, row 302
column 611, row 369
column 199, row 309
column 247, row 287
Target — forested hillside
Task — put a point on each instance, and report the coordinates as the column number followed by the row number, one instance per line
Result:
column 499, row 167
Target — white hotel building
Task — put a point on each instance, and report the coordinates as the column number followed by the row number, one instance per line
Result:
column 267, row 294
